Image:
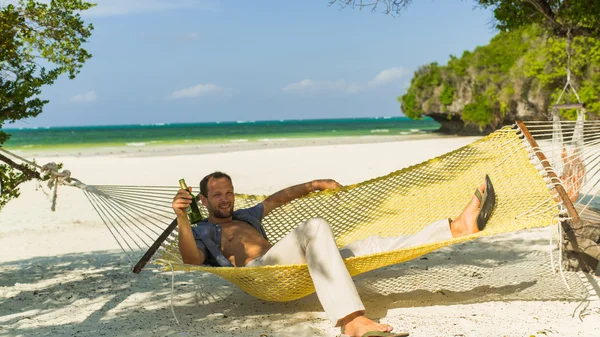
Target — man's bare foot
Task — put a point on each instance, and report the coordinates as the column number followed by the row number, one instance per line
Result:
column 466, row 222
column 573, row 173
column 360, row 325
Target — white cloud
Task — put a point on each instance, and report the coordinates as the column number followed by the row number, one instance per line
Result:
column 387, row 76
column 87, row 97
column 199, row 90
column 311, row 86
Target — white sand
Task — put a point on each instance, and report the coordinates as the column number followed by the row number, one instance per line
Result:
column 62, row 273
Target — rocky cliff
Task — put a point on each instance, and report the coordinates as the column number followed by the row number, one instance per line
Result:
column 519, row 75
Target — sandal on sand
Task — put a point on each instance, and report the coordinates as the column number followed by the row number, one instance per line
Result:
column 488, row 201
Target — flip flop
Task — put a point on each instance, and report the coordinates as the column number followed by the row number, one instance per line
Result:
column 487, row 202
column 384, row 334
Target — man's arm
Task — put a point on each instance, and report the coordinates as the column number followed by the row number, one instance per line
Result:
column 187, row 244
column 294, row 192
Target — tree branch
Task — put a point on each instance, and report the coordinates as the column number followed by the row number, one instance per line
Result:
column 391, row 5
column 585, row 246
column 544, row 8
column 27, row 172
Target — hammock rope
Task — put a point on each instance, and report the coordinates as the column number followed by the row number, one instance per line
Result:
column 401, row 202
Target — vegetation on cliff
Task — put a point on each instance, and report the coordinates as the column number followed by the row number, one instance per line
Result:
column 519, row 74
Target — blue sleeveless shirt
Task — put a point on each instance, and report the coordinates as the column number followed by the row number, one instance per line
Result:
column 208, row 235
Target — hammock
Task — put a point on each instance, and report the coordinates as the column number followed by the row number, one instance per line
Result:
column 527, row 196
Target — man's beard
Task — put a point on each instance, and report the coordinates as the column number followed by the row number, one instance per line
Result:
column 222, row 214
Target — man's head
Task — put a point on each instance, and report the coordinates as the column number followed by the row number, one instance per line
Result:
column 216, row 190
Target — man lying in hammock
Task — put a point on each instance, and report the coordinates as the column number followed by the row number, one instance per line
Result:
column 237, row 238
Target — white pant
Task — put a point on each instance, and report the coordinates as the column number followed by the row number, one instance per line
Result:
column 312, row 242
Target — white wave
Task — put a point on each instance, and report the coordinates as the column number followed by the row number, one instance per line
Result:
column 380, row 131
column 415, row 130
column 27, row 146
column 273, row 139
column 136, row 144
column 238, row 141
column 159, row 124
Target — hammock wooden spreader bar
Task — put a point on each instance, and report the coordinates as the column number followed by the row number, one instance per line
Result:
column 155, row 246
column 568, row 106
column 550, row 171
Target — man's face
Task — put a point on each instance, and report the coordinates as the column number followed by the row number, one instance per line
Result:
column 220, row 199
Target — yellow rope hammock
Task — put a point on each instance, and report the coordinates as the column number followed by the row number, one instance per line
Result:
column 402, row 202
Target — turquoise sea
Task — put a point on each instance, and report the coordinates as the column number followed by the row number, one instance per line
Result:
column 216, row 132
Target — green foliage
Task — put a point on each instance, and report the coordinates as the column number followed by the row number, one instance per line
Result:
column 7, row 192
column 459, row 66
column 447, row 95
column 38, row 43
column 485, row 71
column 479, row 112
column 31, row 31
column 555, row 16
column 547, row 65
column 409, row 105
column 427, row 76
column 517, row 68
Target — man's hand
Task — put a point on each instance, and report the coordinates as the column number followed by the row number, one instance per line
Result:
column 181, row 201
column 325, row 184
column 187, row 244
column 294, row 192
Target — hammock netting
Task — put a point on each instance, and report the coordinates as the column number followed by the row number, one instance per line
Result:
column 400, row 203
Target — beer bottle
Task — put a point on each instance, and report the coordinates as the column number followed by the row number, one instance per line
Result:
column 192, row 210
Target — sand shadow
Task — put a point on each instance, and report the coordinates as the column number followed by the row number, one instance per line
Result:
column 96, row 293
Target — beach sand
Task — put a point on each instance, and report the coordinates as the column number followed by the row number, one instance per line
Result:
column 63, row 274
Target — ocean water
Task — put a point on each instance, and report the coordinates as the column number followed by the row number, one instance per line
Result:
column 216, row 132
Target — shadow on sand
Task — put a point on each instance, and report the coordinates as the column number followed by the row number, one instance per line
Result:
column 95, row 294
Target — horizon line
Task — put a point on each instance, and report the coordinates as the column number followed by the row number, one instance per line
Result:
column 213, row 122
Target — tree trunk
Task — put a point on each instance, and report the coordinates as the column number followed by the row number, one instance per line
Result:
column 581, row 245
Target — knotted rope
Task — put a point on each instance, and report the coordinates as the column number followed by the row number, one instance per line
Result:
column 568, row 84
column 50, row 170
column 55, row 177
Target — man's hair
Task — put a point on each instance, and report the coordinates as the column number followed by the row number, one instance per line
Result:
column 204, row 181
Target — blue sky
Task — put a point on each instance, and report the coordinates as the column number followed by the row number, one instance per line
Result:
column 185, row 61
